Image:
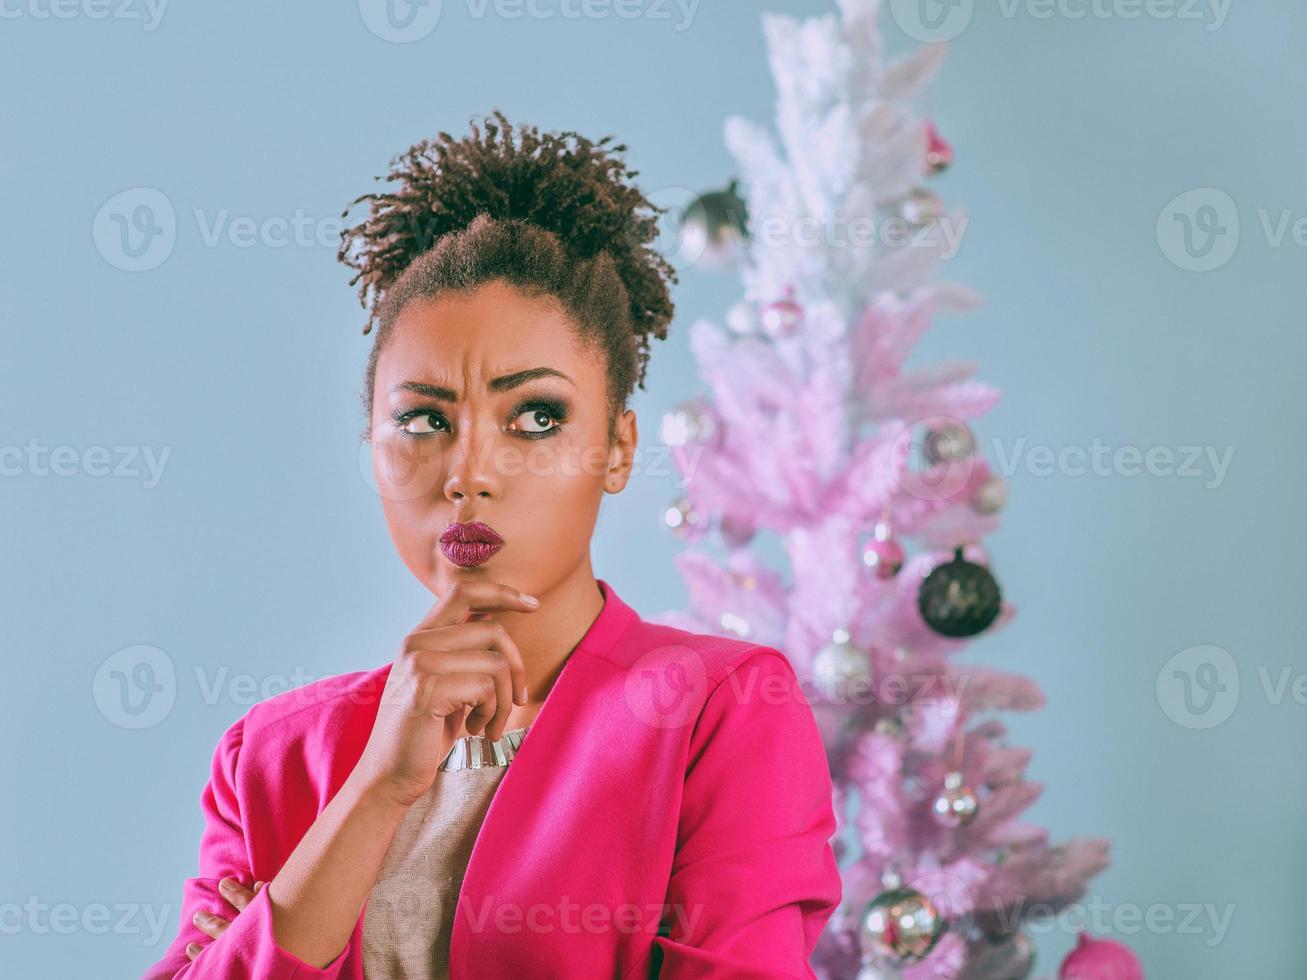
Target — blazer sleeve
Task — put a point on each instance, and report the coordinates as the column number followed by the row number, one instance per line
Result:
column 754, row 879
column 247, row 950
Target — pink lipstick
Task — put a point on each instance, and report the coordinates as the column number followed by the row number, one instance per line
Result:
column 469, row 544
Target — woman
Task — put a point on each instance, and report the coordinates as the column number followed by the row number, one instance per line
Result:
column 541, row 783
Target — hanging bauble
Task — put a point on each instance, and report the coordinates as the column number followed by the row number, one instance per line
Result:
column 882, row 553
column 782, row 318
column 956, row 805
column 1010, row 956
column 736, row 531
column 899, row 925
column 1023, row 957
column 991, row 496
column 921, row 208
column 681, row 518
column 742, row 318
column 689, row 423
column 959, row 598
column 1100, row 959
column 839, row 664
column 947, row 442
column 715, row 227
column 888, row 726
column 939, row 153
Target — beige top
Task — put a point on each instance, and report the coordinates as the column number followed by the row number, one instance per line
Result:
column 410, row 912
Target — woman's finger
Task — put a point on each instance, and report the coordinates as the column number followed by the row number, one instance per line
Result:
column 237, row 894
column 215, row 926
column 210, row 924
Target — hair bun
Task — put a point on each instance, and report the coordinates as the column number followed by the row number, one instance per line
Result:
column 568, row 185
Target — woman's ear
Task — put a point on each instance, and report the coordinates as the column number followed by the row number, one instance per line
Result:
column 621, row 458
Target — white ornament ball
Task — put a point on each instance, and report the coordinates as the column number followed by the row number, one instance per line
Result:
column 681, row 518
column 688, row 423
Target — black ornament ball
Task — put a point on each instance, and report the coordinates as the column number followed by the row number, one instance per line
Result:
column 959, row 598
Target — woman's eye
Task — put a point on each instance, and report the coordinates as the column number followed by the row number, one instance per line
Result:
column 537, row 420
column 419, row 424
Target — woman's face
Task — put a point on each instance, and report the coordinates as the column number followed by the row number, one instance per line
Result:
column 460, row 433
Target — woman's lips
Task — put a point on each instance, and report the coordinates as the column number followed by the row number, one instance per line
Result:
column 469, row 544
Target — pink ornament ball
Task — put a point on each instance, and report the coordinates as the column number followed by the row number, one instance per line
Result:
column 1100, row 959
column 885, row 556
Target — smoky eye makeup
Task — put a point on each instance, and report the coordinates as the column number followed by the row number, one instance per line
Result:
column 432, row 421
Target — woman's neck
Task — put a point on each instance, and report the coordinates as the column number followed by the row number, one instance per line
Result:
column 547, row 637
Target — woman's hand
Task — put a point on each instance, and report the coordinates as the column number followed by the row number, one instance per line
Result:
column 215, row 925
column 456, row 658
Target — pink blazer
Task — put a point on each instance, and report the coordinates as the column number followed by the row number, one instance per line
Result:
column 668, row 815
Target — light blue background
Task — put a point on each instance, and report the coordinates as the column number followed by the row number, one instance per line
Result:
column 262, row 552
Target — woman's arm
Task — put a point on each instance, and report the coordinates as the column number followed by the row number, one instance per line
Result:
column 754, row 879
column 303, row 931
column 318, row 895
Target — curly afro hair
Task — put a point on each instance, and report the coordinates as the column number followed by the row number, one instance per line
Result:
column 552, row 214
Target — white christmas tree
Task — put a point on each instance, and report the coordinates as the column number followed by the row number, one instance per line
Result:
column 807, row 433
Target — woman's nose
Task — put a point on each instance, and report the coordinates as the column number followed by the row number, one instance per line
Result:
column 472, row 465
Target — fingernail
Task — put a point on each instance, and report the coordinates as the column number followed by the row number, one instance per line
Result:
column 530, row 600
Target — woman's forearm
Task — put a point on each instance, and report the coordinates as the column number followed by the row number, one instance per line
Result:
column 319, row 894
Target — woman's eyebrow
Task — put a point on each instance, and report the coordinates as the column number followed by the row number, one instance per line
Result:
column 503, row 383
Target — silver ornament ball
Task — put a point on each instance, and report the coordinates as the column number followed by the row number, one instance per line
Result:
column 956, row 805
column 991, row 496
column 839, row 664
column 901, row 926
column 948, row 442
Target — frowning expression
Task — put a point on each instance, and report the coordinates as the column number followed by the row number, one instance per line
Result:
column 488, row 407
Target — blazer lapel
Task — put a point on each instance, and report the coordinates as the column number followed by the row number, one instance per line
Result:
column 518, row 818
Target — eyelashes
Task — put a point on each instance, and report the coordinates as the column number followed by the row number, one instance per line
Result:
column 556, row 410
